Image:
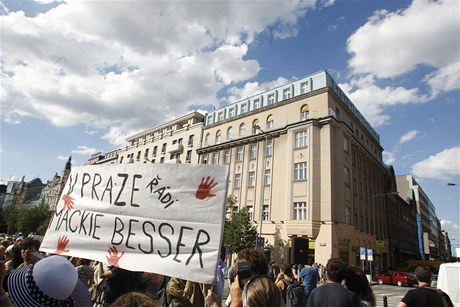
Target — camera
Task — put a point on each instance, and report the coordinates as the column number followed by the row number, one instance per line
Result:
column 243, row 270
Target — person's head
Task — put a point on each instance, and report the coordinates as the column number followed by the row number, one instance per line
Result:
column 49, row 282
column 261, row 291
column 356, row 281
column 28, row 246
column 135, row 299
column 286, row 270
column 423, row 274
column 251, row 262
column 83, row 261
column 335, row 270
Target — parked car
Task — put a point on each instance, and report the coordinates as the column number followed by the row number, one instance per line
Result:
column 397, row 278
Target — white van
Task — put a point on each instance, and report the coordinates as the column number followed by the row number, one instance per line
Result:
column 449, row 281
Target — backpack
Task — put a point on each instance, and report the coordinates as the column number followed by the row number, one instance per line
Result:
column 295, row 295
column 446, row 301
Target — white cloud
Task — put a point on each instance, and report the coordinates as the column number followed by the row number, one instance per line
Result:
column 393, row 43
column 388, row 157
column 252, row 88
column 445, row 79
column 90, row 62
column 452, row 228
column 84, row 150
column 443, row 165
column 409, row 135
column 63, row 158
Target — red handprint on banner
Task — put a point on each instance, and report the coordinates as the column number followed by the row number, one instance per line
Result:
column 205, row 187
column 68, row 202
column 62, row 244
column 113, row 256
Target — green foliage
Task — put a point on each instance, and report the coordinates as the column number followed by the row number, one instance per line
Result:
column 239, row 233
column 28, row 220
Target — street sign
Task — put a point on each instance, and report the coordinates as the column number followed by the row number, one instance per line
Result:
column 260, row 242
column 379, row 243
column 362, row 253
column 370, row 255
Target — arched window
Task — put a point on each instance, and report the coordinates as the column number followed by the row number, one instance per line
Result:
column 207, row 139
column 270, row 122
column 229, row 133
column 304, row 111
column 218, row 137
column 255, row 124
column 242, row 130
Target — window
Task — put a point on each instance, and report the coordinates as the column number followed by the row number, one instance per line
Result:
column 215, row 158
column 146, row 154
column 121, row 160
column 304, row 88
column 253, row 151
column 162, row 160
column 138, row 157
column 300, row 171
column 267, row 176
column 227, row 156
column 154, row 152
column 286, row 93
column 207, row 139
column 231, row 112
column 300, row 211
column 229, row 133
column 174, row 156
column 265, row 212
column 218, row 137
column 347, row 215
column 256, row 103
column 269, row 148
column 237, row 183
column 242, row 131
column 210, row 119
column 204, row 159
column 188, row 157
column 347, row 175
column 270, row 123
column 300, row 139
column 190, row 140
column 304, row 112
column 163, row 149
column 244, row 108
column 271, row 99
column 345, row 144
column 252, row 179
column 220, row 116
column 239, row 154
column 250, row 212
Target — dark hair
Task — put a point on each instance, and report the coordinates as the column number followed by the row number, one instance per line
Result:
column 259, row 264
column 335, row 269
column 356, row 281
column 423, row 274
column 83, row 261
column 262, row 291
column 287, row 270
column 135, row 299
column 30, row 242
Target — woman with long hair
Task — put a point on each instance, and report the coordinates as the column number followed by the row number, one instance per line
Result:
column 356, row 281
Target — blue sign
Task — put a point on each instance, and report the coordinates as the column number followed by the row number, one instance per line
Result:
column 362, row 253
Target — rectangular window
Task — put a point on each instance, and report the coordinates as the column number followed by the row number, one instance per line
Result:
column 303, row 115
column 237, row 183
column 154, row 152
column 210, row 119
column 239, row 154
column 269, row 148
column 301, row 139
column 250, row 212
column 286, row 93
column 271, row 99
column 256, row 103
column 220, row 116
column 267, row 176
column 253, row 151
column 265, row 212
column 270, row 124
column 300, row 171
column 188, row 157
column 231, row 112
column 304, row 88
column 244, row 108
column 345, row 144
column 347, row 215
column 162, row 160
column 190, row 140
column 227, row 156
column 252, row 179
column 300, row 211
column 347, row 175
column 163, row 149
column 215, row 158
column 204, row 159
column 138, row 157
column 146, row 154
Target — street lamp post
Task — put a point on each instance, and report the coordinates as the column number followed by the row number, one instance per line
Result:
column 373, row 218
column 262, row 185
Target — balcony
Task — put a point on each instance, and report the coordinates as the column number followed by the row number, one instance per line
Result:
column 175, row 148
column 173, row 161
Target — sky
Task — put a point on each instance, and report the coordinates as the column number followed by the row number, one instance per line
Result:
column 79, row 77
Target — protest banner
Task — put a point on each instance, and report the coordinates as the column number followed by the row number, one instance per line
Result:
column 161, row 218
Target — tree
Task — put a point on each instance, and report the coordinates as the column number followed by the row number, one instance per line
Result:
column 239, row 233
column 28, row 220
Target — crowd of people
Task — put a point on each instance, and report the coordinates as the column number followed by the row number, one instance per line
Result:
column 29, row 278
